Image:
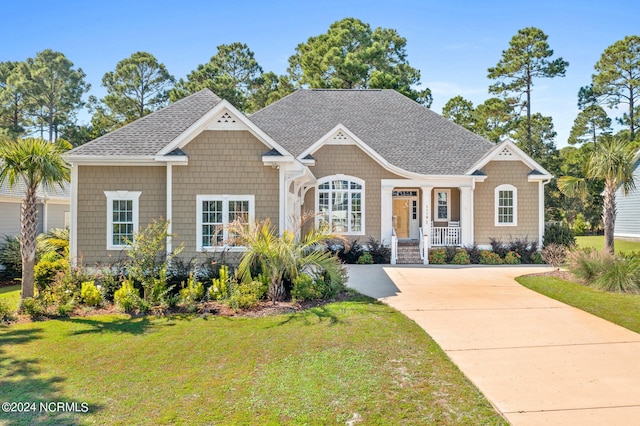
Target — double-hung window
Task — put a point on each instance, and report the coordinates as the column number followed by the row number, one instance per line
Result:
column 442, row 205
column 340, row 201
column 122, row 218
column 215, row 213
column 506, row 205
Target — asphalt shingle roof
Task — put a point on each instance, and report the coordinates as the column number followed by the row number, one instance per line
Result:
column 405, row 133
column 148, row 135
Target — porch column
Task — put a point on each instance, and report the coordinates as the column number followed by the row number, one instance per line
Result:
column 426, row 219
column 386, row 212
column 466, row 215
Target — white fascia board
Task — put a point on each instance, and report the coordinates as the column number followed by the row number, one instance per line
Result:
column 537, row 178
column 193, row 130
column 111, row 160
column 433, row 181
column 508, row 143
column 276, row 159
column 181, row 160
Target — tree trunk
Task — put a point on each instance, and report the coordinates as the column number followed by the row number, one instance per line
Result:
column 28, row 235
column 276, row 290
column 528, row 107
column 609, row 215
column 631, row 116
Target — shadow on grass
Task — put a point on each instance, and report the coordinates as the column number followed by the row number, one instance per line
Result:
column 121, row 325
column 23, row 380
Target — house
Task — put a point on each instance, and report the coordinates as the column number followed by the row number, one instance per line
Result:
column 53, row 207
column 628, row 208
column 371, row 163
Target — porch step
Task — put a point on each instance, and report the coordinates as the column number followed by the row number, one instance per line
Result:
column 409, row 254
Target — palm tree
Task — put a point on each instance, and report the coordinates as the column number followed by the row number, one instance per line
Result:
column 612, row 162
column 36, row 163
column 285, row 256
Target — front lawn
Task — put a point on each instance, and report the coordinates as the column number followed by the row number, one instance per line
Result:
column 355, row 360
column 11, row 294
column 622, row 309
column 597, row 242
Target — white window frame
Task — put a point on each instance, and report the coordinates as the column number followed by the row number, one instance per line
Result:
column 514, row 190
column 436, row 216
column 134, row 197
column 349, row 191
column 225, row 219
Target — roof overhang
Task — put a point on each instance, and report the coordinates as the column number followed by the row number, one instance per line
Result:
column 541, row 173
column 112, row 160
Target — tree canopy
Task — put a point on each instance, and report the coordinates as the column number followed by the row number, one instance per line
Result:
column 350, row 55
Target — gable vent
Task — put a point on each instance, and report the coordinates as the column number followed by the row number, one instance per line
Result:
column 226, row 118
column 340, row 136
column 505, row 153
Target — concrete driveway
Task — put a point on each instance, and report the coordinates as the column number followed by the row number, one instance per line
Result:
column 537, row 360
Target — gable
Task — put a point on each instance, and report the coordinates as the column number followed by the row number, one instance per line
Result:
column 508, row 151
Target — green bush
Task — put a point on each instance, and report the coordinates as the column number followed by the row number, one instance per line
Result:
column 304, row 288
column 32, row 307
column 474, row 253
column 558, row 233
column 192, row 293
column 365, row 259
column 67, row 308
column 488, row 257
column 437, row 256
column 6, row 313
column 461, row 258
column 579, row 225
column 220, row 286
column 380, row 252
column 10, row 256
column 48, row 267
column 512, row 258
column 604, row 271
column 90, row 294
column 246, row 295
column 108, row 282
column 127, row 298
column 537, row 258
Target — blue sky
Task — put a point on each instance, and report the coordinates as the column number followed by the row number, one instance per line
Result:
column 452, row 43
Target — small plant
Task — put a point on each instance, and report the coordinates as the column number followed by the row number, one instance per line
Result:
column 127, row 297
column 488, row 257
column 380, row 252
column 461, row 257
column 622, row 275
column 90, row 294
column 498, row 247
column 220, row 286
column 347, row 252
column 304, row 288
column 579, row 225
column 46, row 269
column 438, row 256
column 246, row 295
column 537, row 258
column 554, row 254
column 450, row 253
column 192, row 293
column 558, row 233
column 523, row 248
column 474, row 253
column 10, row 256
column 365, row 259
column 32, row 307
column 512, row 258
column 66, row 309
column 6, row 313
column 109, row 280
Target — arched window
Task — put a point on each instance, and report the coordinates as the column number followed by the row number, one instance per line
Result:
column 340, row 201
column 506, row 205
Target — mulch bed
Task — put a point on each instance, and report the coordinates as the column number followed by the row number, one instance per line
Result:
column 558, row 273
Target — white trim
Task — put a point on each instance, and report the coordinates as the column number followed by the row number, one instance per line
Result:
column 436, row 216
column 97, row 160
column 626, row 235
column 45, row 216
column 121, row 195
column 73, row 232
column 181, row 160
column 225, row 198
column 201, row 124
column 507, row 143
column 496, row 193
column 169, row 207
column 349, row 191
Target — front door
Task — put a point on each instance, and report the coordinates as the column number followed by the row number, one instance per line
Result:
column 405, row 214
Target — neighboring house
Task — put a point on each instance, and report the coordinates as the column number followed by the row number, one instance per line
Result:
column 372, row 163
column 53, row 207
column 628, row 208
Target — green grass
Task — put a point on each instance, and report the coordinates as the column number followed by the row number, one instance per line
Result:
column 356, row 359
column 622, row 309
column 11, row 295
column 597, row 242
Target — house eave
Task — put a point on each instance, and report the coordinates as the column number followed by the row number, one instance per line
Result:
column 112, row 160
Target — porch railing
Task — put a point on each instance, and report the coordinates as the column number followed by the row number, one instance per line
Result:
column 446, row 235
column 394, row 246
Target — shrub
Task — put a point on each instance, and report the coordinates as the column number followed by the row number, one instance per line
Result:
column 499, row 248
column 330, row 285
column 622, row 275
column 512, row 258
column 65, row 288
column 220, row 286
column 380, row 252
column 347, row 252
column 450, row 253
column 474, row 253
column 537, row 258
column 587, row 264
column 32, row 307
column 558, row 233
column 488, row 257
column 10, row 256
column 461, row 258
column 46, row 269
column 524, row 249
column 579, row 225
column 246, row 295
column 304, row 288
column 66, row 309
column 90, row 294
column 127, row 298
column 192, row 293
column 438, row 256
column 6, row 313
column 365, row 259
column 554, row 254
column 109, row 281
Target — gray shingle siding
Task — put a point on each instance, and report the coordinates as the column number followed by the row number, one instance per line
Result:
column 628, row 206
